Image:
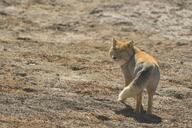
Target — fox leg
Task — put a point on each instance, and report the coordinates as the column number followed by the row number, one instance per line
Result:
column 139, row 103
column 151, row 91
column 151, row 88
column 150, row 102
column 127, row 81
column 129, row 91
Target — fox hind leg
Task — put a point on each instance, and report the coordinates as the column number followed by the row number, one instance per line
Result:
column 151, row 91
column 150, row 101
column 129, row 91
column 139, row 103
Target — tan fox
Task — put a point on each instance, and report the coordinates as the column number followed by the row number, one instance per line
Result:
column 140, row 71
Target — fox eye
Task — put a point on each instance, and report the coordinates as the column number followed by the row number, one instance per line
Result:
column 114, row 48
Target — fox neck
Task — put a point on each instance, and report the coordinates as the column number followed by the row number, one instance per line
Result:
column 128, row 67
column 131, row 58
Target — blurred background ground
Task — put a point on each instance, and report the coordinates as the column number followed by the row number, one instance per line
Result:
column 55, row 70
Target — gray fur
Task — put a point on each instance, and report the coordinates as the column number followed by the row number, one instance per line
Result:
column 142, row 76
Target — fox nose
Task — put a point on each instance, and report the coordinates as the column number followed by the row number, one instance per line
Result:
column 113, row 57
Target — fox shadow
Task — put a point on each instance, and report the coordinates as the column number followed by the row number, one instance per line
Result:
column 141, row 117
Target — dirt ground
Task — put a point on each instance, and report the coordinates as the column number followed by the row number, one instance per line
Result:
column 55, row 71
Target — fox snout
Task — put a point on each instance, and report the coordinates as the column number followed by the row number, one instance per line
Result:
column 114, row 57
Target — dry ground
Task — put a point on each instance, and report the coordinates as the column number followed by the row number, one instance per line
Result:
column 55, row 70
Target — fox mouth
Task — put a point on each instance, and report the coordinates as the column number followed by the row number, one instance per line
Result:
column 114, row 58
column 117, row 60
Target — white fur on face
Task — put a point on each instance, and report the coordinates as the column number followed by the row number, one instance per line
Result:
column 121, row 56
column 120, row 61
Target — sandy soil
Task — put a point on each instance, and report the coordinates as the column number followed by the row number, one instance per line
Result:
column 55, row 70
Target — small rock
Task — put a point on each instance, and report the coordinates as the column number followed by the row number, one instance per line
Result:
column 31, row 63
column 159, row 43
column 124, row 23
column 29, row 90
column 23, row 74
column 76, row 67
column 24, row 38
column 102, row 117
column 181, row 44
column 179, row 96
column 95, row 11
column 92, row 25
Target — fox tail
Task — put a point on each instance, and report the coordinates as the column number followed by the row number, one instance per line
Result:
column 137, row 85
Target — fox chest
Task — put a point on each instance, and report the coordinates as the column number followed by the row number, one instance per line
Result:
column 127, row 73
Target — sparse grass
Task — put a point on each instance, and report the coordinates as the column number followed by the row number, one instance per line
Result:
column 55, row 70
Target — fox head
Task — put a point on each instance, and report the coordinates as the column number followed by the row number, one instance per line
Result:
column 121, row 51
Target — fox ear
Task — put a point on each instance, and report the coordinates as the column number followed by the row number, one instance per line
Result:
column 114, row 42
column 131, row 43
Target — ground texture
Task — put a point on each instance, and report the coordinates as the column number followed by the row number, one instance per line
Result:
column 55, row 70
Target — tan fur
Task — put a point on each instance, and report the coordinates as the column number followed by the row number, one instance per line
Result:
column 140, row 71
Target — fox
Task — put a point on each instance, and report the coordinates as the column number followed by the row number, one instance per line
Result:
column 140, row 70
